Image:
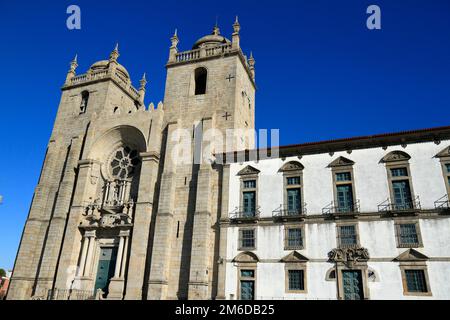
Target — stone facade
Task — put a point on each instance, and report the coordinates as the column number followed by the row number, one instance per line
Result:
column 137, row 202
column 395, row 235
column 113, row 202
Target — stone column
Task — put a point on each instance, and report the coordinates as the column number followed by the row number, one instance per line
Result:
column 55, row 234
column 119, row 258
column 124, row 260
column 117, row 284
column 90, row 252
column 83, row 256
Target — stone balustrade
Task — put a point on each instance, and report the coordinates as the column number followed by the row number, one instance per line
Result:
column 102, row 74
column 196, row 54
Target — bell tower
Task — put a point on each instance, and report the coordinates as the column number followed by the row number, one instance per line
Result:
column 210, row 91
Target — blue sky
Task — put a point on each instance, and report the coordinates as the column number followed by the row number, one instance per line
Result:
column 321, row 74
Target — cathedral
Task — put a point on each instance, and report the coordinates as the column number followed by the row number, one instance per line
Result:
column 142, row 202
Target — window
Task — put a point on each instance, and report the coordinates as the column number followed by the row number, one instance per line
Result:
column 447, row 167
column 343, row 189
column 402, row 195
column 247, row 239
column 248, row 197
column 249, row 203
column 343, row 176
column 408, row 235
column 84, row 101
column 347, row 236
column 416, row 281
column 250, row 184
column 200, row 81
column 399, row 172
column 296, row 280
column 292, row 195
column 293, row 181
column 344, row 194
column 399, row 180
column 293, row 238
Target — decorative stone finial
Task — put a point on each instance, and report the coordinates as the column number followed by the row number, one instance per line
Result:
column 251, row 63
column 143, row 81
column 251, row 60
column 236, row 26
column 73, row 66
column 216, row 30
column 73, row 63
column 115, row 53
column 174, row 39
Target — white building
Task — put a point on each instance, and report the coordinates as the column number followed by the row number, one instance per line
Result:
column 376, row 208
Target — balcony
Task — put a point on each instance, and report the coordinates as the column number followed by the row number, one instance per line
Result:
column 336, row 210
column 241, row 214
column 283, row 213
column 400, row 208
column 442, row 204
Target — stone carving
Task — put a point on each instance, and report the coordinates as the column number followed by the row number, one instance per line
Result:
column 349, row 256
column 291, row 166
column 294, row 256
column 248, row 170
column 96, row 216
column 341, row 161
column 93, row 179
column 246, row 257
column 396, row 156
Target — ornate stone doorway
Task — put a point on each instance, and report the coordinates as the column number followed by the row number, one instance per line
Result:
column 105, row 269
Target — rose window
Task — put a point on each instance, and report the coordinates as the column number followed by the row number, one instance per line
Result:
column 124, row 162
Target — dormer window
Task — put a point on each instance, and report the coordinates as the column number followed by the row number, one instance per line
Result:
column 84, row 101
column 200, row 81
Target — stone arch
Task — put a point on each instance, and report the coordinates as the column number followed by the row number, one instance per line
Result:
column 291, row 166
column 115, row 137
column 246, row 257
column 200, row 78
column 331, row 274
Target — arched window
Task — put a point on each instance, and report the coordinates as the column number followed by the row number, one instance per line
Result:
column 200, row 80
column 84, row 101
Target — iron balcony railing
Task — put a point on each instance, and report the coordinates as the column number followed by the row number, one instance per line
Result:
column 334, row 208
column 285, row 212
column 410, row 205
column 70, row 294
column 442, row 203
column 245, row 213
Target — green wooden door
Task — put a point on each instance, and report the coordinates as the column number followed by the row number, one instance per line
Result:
column 352, row 285
column 293, row 199
column 249, row 203
column 402, row 194
column 247, row 289
column 105, row 270
column 344, row 198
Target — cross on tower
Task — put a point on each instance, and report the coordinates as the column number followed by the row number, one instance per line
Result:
column 229, row 77
column 226, row 115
